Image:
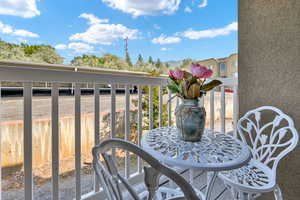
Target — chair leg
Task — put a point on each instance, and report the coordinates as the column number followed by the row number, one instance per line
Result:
column 278, row 193
column 248, row 196
column 240, row 195
column 235, row 193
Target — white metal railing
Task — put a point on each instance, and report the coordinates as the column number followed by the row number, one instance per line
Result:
column 29, row 73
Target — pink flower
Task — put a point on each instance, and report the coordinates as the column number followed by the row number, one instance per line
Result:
column 208, row 73
column 200, row 71
column 176, row 74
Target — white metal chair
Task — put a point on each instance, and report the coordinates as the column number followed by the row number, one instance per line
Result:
column 269, row 142
column 116, row 187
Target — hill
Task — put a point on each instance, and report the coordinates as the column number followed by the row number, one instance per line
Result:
column 29, row 53
column 174, row 63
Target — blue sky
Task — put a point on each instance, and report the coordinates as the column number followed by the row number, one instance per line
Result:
column 165, row 29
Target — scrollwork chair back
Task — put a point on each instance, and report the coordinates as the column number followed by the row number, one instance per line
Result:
column 111, row 179
column 269, row 141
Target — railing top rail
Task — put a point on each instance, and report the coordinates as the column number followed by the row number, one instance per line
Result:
column 36, row 72
column 8, row 63
column 32, row 72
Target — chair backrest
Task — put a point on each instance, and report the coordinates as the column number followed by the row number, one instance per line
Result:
column 111, row 179
column 270, row 134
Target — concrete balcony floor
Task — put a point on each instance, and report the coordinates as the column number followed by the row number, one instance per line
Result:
column 220, row 192
column 67, row 189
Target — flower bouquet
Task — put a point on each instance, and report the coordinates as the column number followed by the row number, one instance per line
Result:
column 190, row 86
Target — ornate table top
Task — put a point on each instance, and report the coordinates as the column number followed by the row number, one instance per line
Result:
column 215, row 151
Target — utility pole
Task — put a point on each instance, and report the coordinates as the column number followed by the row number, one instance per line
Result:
column 127, row 57
column 126, row 46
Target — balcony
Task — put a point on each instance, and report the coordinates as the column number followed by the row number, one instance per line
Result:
column 46, row 141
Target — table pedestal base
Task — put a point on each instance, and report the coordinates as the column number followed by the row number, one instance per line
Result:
column 211, row 178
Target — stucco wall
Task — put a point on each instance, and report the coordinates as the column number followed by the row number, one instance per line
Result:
column 231, row 65
column 211, row 62
column 269, row 70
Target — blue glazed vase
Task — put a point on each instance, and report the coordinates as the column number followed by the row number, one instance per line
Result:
column 190, row 120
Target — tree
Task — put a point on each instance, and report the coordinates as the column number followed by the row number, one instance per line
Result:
column 150, row 60
column 155, row 101
column 127, row 59
column 106, row 61
column 140, row 61
column 29, row 53
column 87, row 60
column 114, row 62
column 158, row 63
column 167, row 65
column 46, row 54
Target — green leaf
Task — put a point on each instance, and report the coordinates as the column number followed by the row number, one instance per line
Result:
column 173, row 88
column 175, row 82
column 211, row 85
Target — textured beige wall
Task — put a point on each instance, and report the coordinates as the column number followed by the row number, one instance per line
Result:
column 269, row 70
column 229, row 61
column 231, row 67
column 211, row 62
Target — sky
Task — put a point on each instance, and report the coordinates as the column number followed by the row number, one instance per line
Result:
column 165, row 29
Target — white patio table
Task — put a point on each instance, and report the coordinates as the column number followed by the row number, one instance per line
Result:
column 215, row 152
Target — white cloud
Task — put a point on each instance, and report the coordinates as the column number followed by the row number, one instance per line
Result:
column 148, row 7
column 8, row 29
column 61, row 46
column 203, row 4
column 22, row 8
column 81, row 47
column 78, row 47
column 100, row 33
column 93, row 19
column 210, row 33
column 163, row 39
column 187, row 9
column 164, row 49
column 24, row 33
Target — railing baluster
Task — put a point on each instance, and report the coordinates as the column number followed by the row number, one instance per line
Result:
column 0, row 145
column 32, row 73
column 212, row 109
column 127, row 129
column 55, row 140
column 150, row 107
column 235, row 109
column 77, row 93
column 113, row 115
column 140, row 124
column 28, row 140
column 223, row 109
column 97, row 130
column 169, row 108
column 160, row 106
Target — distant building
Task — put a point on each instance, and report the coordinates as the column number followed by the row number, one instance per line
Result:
column 222, row 67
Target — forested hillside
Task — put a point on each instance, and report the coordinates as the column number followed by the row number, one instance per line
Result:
column 48, row 54
column 110, row 61
column 29, row 53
